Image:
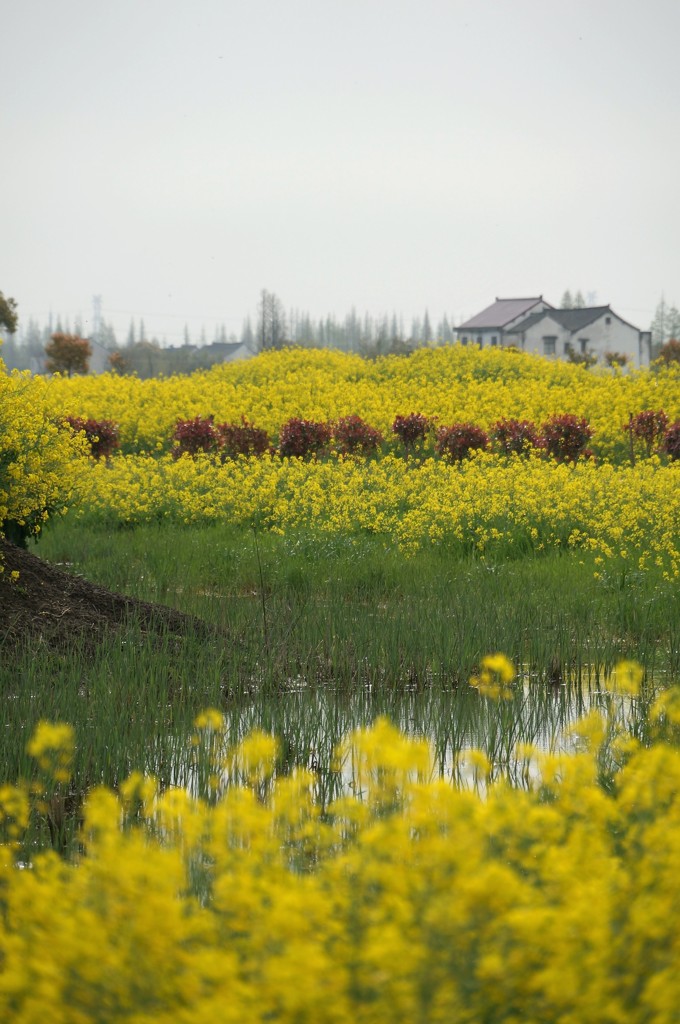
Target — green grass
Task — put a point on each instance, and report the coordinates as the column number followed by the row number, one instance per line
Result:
column 319, row 635
column 353, row 610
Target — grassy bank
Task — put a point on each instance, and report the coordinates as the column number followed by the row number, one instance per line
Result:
column 353, row 611
column 318, row 636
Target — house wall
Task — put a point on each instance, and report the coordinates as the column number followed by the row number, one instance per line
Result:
column 617, row 336
column 481, row 336
column 601, row 337
column 241, row 351
column 532, row 339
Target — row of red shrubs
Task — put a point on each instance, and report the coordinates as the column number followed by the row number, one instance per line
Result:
column 564, row 437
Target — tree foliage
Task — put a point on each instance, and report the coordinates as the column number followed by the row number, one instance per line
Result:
column 242, row 438
column 518, row 437
column 565, row 437
column 665, row 323
column 101, row 435
column 670, row 352
column 353, row 436
column 301, row 438
column 459, row 440
column 8, row 314
column 412, row 429
column 671, row 441
column 575, row 301
column 271, row 327
column 67, row 353
column 648, row 426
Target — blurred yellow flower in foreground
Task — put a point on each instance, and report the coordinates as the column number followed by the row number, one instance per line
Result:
column 495, row 678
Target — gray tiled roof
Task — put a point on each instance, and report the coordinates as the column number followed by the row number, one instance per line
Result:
column 569, row 319
column 502, row 312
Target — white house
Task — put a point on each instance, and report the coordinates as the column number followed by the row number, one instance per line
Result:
column 490, row 326
column 595, row 331
column 539, row 328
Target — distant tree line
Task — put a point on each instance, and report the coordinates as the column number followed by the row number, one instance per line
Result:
column 31, row 346
column 573, row 301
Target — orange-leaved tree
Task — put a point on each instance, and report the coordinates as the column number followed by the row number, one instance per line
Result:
column 67, row 353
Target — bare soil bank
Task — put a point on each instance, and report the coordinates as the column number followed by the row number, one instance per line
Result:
column 59, row 608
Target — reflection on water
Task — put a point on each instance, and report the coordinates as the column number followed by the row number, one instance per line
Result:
column 310, row 724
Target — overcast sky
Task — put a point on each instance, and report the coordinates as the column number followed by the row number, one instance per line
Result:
column 177, row 157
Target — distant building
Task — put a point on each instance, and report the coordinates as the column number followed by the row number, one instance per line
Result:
column 229, row 351
column 595, row 331
column 490, row 326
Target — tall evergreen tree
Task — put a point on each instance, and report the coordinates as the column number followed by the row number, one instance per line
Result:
column 673, row 324
column 426, row 333
column 367, row 330
column 353, row 329
column 395, row 334
column 271, row 328
column 306, row 330
column 659, row 323
column 247, row 336
column 444, row 332
column 33, row 346
column 107, row 335
column 382, row 341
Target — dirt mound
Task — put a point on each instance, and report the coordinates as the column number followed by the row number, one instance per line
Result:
column 59, row 608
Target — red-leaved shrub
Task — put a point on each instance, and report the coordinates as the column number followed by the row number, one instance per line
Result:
column 671, row 442
column 515, row 436
column 411, row 429
column 648, row 426
column 458, row 441
column 196, row 435
column 565, row 437
column 242, row 438
column 102, row 435
column 302, row 438
column 353, row 436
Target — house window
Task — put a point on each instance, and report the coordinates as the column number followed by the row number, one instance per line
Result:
column 583, row 342
column 463, row 340
column 480, row 341
column 607, row 320
column 549, row 346
column 494, row 340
